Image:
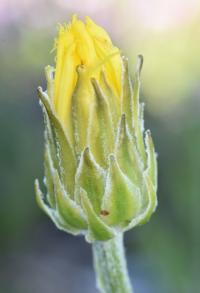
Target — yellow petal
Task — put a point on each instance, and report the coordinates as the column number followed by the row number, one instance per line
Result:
column 87, row 44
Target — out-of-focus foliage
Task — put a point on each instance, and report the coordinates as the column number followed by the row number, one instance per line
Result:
column 172, row 66
column 165, row 253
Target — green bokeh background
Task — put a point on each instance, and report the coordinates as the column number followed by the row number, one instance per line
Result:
column 164, row 255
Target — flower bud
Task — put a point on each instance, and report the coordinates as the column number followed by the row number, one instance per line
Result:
column 100, row 166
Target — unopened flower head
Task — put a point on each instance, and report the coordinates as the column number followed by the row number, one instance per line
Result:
column 100, row 166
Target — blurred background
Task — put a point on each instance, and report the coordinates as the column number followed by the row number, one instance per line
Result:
column 164, row 255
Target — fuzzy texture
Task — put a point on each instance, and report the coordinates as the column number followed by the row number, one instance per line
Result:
column 110, row 266
column 100, row 166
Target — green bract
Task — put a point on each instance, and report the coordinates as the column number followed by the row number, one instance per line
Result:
column 109, row 184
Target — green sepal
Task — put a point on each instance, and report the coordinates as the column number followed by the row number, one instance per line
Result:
column 82, row 106
column 111, row 98
column 50, row 137
column 137, row 117
column 102, row 142
column 65, row 154
column 149, row 206
column 48, row 179
column 69, row 211
column 127, row 94
column 127, row 155
column 98, row 230
column 91, row 177
column 53, row 215
column 152, row 203
column 150, row 179
column 122, row 199
column 149, row 187
column 151, row 159
column 141, row 117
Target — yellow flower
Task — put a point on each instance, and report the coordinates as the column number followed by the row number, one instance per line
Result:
column 100, row 165
column 89, row 46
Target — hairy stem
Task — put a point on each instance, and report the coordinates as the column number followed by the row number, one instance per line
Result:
column 110, row 266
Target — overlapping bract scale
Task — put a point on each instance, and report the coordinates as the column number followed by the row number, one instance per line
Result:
column 103, row 178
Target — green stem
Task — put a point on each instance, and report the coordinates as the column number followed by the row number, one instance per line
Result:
column 110, row 266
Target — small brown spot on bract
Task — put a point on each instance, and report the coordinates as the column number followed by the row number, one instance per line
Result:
column 104, row 213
